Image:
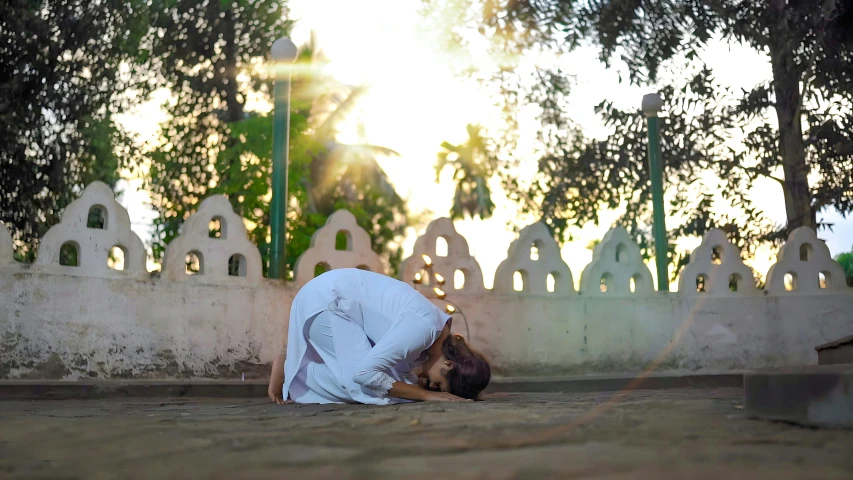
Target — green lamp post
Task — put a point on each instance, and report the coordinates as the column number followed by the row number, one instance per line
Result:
column 652, row 104
column 283, row 55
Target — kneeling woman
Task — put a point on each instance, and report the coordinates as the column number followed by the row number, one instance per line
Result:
column 361, row 337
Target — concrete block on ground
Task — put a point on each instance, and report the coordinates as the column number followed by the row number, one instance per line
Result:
column 820, row 396
column 837, row 352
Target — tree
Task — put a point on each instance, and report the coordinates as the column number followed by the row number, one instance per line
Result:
column 61, row 83
column 579, row 176
column 809, row 45
column 474, row 163
column 211, row 56
column 340, row 175
column 846, row 261
column 348, row 176
column 204, row 53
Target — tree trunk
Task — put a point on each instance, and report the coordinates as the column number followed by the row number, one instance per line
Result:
column 228, row 63
column 786, row 80
column 226, row 78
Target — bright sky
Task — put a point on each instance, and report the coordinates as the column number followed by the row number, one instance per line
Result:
column 415, row 103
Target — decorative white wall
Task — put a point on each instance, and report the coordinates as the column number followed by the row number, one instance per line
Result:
column 453, row 261
column 222, row 254
column 59, row 321
column 805, row 260
column 323, row 250
column 716, row 269
column 617, row 268
column 534, row 256
column 93, row 243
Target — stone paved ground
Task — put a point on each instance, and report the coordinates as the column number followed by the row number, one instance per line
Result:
column 691, row 433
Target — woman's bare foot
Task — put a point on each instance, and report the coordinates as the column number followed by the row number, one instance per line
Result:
column 277, row 381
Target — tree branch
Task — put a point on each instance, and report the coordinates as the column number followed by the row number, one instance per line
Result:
column 756, row 171
column 830, row 13
column 750, row 32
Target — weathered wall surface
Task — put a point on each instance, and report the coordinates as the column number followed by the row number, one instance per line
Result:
column 222, row 320
column 64, row 326
column 528, row 336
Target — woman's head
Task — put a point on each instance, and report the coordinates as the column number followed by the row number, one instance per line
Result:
column 459, row 370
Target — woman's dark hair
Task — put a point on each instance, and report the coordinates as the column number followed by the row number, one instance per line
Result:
column 471, row 372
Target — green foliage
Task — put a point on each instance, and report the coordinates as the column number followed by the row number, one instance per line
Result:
column 846, row 261
column 215, row 145
column 700, row 170
column 212, row 145
column 474, row 163
column 795, row 127
column 60, row 85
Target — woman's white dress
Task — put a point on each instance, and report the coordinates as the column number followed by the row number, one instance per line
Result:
column 352, row 334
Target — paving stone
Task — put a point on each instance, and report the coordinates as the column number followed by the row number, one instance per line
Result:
column 676, row 433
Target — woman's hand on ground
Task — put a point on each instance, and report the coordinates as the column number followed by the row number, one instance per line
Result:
column 275, row 395
column 277, row 381
column 443, row 397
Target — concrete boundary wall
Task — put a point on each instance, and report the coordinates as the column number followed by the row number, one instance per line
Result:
column 63, row 327
column 74, row 322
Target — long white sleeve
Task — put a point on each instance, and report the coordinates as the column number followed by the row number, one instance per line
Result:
column 410, row 336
